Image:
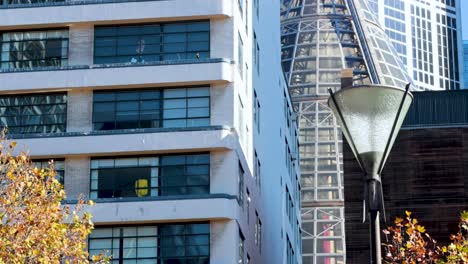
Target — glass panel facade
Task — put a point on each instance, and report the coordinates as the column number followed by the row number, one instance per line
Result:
column 152, row 42
column 59, row 166
column 155, row 244
column 150, row 176
column 32, row 49
column 34, row 113
column 151, row 108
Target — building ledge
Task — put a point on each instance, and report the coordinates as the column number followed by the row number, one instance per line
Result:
column 116, row 132
column 115, row 144
column 210, row 207
column 149, row 74
column 68, row 12
column 117, row 65
column 159, row 198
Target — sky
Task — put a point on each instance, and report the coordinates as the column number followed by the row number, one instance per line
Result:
column 464, row 15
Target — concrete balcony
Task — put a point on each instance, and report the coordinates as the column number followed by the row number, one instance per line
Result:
column 128, row 142
column 164, row 209
column 165, row 73
column 63, row 13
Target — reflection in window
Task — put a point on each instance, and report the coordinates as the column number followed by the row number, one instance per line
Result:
column 35, row 113
column 151, row 108
column 167, row 243
column 150, row 176
column 152, row 42
column 31, row 49
column 59, row 166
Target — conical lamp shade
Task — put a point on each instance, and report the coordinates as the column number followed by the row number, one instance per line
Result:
column 367, row 115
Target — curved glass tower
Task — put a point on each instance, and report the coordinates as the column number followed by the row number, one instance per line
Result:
column 320, row 38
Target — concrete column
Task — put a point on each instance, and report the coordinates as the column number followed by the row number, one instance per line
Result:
column 223, row 177
column 224, row 242
column 77, row 174
column 221, row 38
column 79, row 110
column 222, row 105
column 81, row 45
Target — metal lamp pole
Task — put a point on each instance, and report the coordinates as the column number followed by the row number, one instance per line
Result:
column 371, row 163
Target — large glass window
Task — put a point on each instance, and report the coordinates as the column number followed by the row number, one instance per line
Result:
column 150, row 176
column 160, row 244
column 34, row 113
column 152, row 42
column 31, row 49
column 151, row 108
column 59, row 166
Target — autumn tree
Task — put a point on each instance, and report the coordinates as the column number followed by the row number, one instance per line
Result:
column 407, row 242
column 35, row 227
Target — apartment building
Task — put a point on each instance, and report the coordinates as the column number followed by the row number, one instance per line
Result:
column 173, row 116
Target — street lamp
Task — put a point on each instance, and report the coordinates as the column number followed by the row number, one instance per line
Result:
column 370, row 117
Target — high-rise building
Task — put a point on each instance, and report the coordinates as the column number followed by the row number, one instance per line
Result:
column 427, row 36
column 174, row 116
column 319, row 40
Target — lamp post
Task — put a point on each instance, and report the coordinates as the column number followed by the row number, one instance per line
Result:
column 370, row 117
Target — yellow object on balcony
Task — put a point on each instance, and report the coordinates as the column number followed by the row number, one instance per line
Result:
column 141, row 187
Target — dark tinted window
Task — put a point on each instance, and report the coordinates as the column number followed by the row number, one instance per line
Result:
column 150, row 176
column 151, row 108
column 160, row 244
column 152, row 42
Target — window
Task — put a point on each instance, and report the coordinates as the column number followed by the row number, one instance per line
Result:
column 240, row 56
column 248, row 204
column 59, row 166
column 260, row 235
column 242, row 131
column 150, row 176
column 241, row 185
column 256, row 111
column 152, row 42
column 167, row 243
column 34, row 113
column 32, row 49
column 151, row 108
column 257, row 169
column 241, row 248
column 258, row 58
column 258, row 231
